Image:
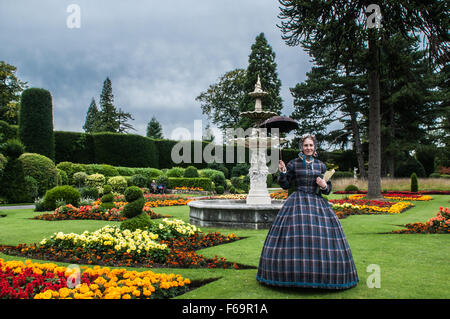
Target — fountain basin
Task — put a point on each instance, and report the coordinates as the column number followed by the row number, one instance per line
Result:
column 228, row 213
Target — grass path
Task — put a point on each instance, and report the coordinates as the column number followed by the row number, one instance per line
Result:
column 412, row 265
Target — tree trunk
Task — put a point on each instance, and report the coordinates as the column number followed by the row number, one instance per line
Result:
column 391, row 159
column 374, row 182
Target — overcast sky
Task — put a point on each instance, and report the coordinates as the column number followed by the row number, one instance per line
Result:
column 159, row 55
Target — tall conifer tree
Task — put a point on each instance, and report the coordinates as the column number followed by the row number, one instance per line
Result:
column 108, row 112
column 261, row 61
column 92, row 118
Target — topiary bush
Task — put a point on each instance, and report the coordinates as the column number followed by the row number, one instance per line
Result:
column 351, row 188
column 141, row 221
column 95, row 180
column 136, row 201
column 41, row 168
column 108, row 197
column 220, row 189
column 36, row 122
column 191, row 172
column 414, row 183
column 67, row 193
column 118, row 184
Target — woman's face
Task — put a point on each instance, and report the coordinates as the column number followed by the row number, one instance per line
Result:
column 308, row 147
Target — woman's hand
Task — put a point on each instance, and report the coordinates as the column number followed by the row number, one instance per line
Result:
column 321, row 182
column 282, row 166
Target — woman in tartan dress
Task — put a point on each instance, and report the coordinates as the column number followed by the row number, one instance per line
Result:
column 306, row 246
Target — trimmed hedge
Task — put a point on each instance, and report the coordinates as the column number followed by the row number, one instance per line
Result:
column 125, row 150
column 200, row 182
column 36, row 122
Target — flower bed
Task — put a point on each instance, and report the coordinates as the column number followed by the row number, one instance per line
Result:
column 279, row 195
column 27, row 280
column 94, row 212
column 164, row 246
column 397, row 196
column 436, row 225
column 430, row 192
column 363, row 206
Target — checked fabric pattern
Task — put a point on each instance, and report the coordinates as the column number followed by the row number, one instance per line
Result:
column 306, row 245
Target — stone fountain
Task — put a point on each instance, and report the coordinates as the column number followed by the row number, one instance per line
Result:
column 258, row 211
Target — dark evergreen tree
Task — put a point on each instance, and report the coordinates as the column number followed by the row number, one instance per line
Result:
column 108, row 112
column 154, row 129
column 261, row 61
column 92, row 122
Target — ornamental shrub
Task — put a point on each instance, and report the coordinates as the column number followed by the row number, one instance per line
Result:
column 61, row 178
column 149, row 172
column 42, row 169
column 3, row 162
column 139, row 180
column 133, row 193
column 108, row 197
column 12, row 184
column 219, row 167
column 31, row 188
column 240, row 169
column 141, row 221
column 13, row 148
column 237, row 182
column 162, row 180
column 269, row 180
column 414, row 183
column 118, row 183
column 351, row 188
column 200, row 182
column 95, row 180
column 136, row 201
column 80, row 179
column 104, row 169
column 36, row 122
column 220, row 189
column 67, row 193
column 125, row 171
column 89, row 192
column 434, row 175
column 7, row 132
column 191, row 172
column 175, row 172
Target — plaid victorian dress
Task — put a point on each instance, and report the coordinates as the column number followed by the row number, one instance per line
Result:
column 306, row 246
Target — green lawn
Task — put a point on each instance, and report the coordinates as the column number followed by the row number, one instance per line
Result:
column 412, row 265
